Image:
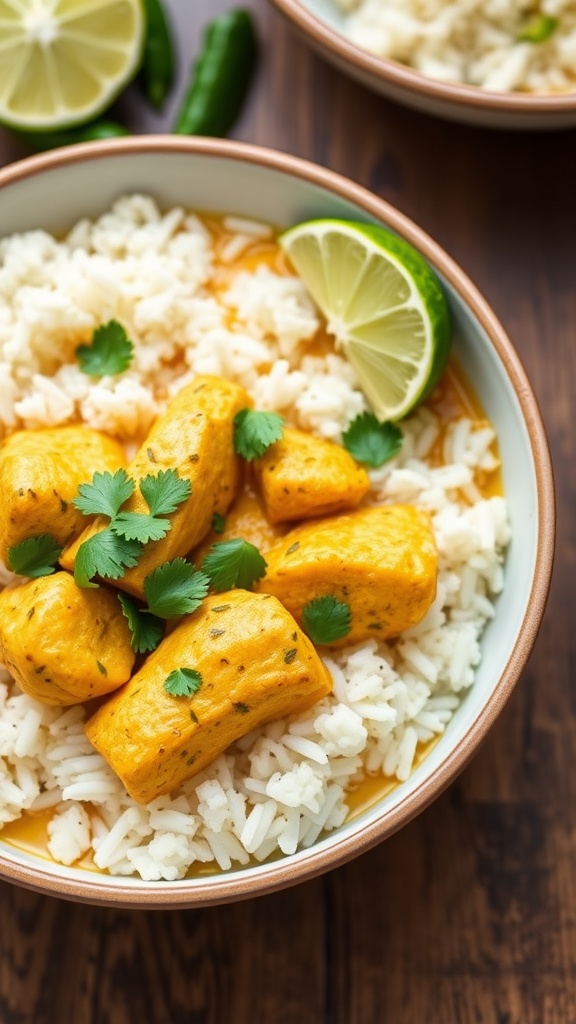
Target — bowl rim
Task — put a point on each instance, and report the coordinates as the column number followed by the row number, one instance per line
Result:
column 391, row 73
column 279, row 874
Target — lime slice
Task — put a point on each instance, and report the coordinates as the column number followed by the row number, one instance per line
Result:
column 63, row 61
column 382, row 302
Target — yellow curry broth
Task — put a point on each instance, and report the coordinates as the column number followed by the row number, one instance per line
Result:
column 453, row 398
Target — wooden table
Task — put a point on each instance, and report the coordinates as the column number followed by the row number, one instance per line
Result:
column 468, row 915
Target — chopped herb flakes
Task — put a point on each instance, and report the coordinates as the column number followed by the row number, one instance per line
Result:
column 218, row 523
column 538, row 28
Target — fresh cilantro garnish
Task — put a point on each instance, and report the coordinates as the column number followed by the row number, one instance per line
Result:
column 104, row 554
column 35, row 556
column 538, row 29
column 175, row 588
column 110, row 352
column 164, row 492
column 139, row 526
column 183, row 682
column 146, row 630
column 218, row 523
column 255, row 431
column 370, row 441
column 326, row 619
column 233, row 563
column 105, row 494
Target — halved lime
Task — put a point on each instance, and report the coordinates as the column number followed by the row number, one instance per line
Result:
column 63, row 61
column 383, row 303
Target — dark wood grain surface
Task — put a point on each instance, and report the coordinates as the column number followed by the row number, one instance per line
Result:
column 468, row 915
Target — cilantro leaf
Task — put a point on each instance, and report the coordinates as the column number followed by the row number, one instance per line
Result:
column 110, row 352
column 538, row 29
column 35, row 556
column 146, row 630
column 183, row 682
column 105, row 494
column 105, row 555
column 139, row 526
column 255, row 431
column 371, row 441
column 175, row 588
column 164, row 492
column 233, row 563
column 326, row 619
column 218, row 523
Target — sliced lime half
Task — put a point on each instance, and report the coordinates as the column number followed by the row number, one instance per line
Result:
column 383, row 303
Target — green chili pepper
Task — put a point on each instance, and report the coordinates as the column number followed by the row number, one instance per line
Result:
column 39, row 141
column 538, row 29
column 159, row 61
column 220, row 77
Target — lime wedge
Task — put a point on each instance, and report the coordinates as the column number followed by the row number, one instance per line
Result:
column 383, row 303
column 63, row 61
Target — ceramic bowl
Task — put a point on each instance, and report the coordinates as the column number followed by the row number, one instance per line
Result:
column 323, row 26
column 52, row 191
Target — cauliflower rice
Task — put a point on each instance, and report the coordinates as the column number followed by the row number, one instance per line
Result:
column 472, row 41
column 283, row 785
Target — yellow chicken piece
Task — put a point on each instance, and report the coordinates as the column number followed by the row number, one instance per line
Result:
column 381, row 561
column 256, row 666
column 195, row 437
column 246, row 518
column 64, row 645
column 40, row 471
column 302, row 476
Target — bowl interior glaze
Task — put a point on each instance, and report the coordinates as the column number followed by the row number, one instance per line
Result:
column 53, row 191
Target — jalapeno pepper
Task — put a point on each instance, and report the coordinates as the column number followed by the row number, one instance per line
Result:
column 103, row 129
column 220, row 76
column 159, row 61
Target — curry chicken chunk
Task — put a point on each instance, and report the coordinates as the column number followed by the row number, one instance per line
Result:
column 381, row 561
column 255, row 666
column 195, row 437
column 64, row 645
column 302, row 476
column 40, row 471
column 246, row 518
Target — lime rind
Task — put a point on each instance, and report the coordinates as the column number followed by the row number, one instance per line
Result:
column 383, row 303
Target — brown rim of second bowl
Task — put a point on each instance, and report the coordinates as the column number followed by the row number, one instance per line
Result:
column 403, row 77
column 109, row 890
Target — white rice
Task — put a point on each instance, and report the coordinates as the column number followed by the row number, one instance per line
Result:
column 471, row 41
column 280, row 787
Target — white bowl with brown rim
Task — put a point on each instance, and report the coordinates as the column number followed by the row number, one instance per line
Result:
column 53, row 191
column 323, row 26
